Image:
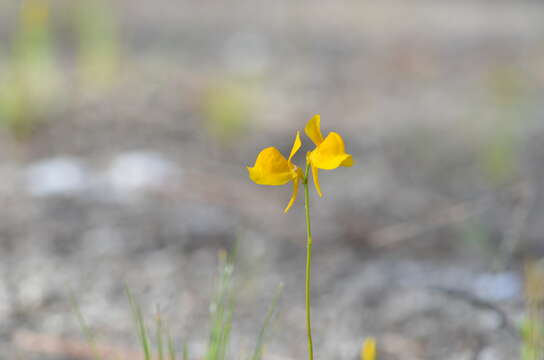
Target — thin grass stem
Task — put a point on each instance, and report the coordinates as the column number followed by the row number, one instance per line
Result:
column 258, row 352
column 140, row 324
column 87, row 332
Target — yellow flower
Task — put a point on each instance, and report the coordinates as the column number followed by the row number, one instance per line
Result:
column 329, row 152
column 368, row 352
column 272, row 168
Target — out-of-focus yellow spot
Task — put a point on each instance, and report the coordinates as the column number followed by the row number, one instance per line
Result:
column 368, row 351
column 35, row 12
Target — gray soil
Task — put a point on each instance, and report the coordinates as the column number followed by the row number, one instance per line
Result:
column 420, row 244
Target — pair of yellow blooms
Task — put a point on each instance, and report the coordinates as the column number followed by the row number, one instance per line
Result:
column 272, row 168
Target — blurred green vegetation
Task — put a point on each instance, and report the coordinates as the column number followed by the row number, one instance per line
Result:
column 228, row 107
column 33, row 87
column 32, row 83
column 532, row 329
column 501, row 145
column 477, row 238
column 99, row 53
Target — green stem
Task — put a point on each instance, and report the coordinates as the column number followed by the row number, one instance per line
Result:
column 308, row 263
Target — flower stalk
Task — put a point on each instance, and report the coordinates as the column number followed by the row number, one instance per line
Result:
column 308, row 263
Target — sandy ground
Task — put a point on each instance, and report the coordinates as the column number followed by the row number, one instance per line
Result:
column 420, row 244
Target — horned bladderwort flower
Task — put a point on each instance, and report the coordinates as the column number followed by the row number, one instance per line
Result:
column 272, row 168
column 328, row 154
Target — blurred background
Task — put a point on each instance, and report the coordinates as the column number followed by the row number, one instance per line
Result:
column 126, row 126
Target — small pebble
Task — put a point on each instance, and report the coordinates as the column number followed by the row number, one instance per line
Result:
column 139, row 170
column 56, row 176
column 497, row 287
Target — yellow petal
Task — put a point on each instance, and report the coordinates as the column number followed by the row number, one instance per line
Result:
column 331, row 154
column 271, row 168
column 368, row 352
column 313, row 130
column 348, row 162
column 294, row 196
column 316, row 180
column 296, row 145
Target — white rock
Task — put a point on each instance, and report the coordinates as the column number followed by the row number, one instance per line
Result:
column 490, row 354
column 497, row 287
column 57, row 176
column 141, row 170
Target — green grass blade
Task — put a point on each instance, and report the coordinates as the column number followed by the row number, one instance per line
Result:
column 221, row 310
column 258, row 353
column 171, row 346
column 160, row 329
column 140, row 324
column 185, row 351
column 87, row 332
column 226, row 331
